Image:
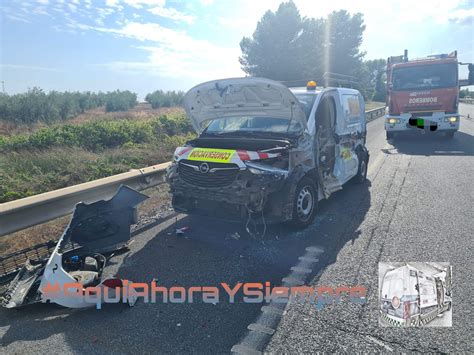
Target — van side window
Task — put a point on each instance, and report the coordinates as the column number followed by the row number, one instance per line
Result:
column 326, row 113
column 351, row 106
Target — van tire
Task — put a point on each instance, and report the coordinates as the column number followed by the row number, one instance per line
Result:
column 361, row 176
column 305, row 203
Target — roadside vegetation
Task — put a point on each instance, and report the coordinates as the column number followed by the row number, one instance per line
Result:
column 36, row 105
column 63, row 155
column 160, row 98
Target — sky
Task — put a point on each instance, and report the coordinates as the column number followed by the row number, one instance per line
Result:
column 145, row 45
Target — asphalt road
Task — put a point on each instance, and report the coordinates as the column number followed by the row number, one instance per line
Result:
column 416, row 206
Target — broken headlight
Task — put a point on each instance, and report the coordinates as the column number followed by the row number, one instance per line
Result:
column 260, row 169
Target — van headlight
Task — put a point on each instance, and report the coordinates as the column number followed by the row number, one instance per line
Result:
column 256, row 171
column 451, row 119
column 260, row 169
column 393, row 120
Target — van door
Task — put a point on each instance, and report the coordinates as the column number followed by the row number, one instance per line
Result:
column 349, row 127
column 325, row 120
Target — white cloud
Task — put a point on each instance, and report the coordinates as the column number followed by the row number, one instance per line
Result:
column 42, row 2
column 112, row 3
column 172, row 14
column 175, row 54
column 138, row 4
column 17, row 18
column 72, row 7
column 210, row 63
column 206, row 2
column 40, row 11
column 462, row 16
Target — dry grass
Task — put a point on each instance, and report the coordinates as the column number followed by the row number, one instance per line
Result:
column 34, row 235
column 142, row 111
column 28, row 173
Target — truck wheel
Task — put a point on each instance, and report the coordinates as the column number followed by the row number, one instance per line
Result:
column 390, row 135
column 449, row 135
column 361, row 176
column 305, row 203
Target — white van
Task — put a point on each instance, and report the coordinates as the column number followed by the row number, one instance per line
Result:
column 267, row 151
column 409, row 296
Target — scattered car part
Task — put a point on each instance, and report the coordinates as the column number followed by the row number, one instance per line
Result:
column 94, row 231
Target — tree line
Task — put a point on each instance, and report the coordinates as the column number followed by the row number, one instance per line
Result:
column 36, row 105
column 160, row 98
column 288, row 47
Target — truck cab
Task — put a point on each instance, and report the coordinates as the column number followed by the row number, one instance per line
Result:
column 267, row 152
column 422, row 95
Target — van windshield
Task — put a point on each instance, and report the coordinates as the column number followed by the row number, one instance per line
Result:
column 307, row 101
column 431, row 76
column 248, row 124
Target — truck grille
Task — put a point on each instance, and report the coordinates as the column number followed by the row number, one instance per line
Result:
column 194, row 173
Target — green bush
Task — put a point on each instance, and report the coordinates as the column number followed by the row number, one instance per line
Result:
column 160, row 98
column 100, row 135
column 120, row 100
column 30, row 172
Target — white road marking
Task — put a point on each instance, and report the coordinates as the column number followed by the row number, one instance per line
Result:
column 379, row 343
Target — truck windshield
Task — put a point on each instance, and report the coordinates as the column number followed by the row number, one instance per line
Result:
column 252, row 125
column 307, row 101
column 425, row 77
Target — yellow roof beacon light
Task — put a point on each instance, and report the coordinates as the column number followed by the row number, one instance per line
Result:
column 311, row 85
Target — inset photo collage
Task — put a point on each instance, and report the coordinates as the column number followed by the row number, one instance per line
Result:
column 415, row 294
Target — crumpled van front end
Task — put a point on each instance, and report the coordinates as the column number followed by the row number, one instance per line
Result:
column 246, row 160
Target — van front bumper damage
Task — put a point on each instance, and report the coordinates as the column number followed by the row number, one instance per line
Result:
column 258, row 189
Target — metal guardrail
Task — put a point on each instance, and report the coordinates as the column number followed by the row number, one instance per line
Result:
column 26, row 212
column 467, row 100
column 375, row 113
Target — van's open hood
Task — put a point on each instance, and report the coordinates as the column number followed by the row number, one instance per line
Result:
column 234, row 97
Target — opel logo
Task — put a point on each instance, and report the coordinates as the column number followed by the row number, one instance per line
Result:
column 204, row 168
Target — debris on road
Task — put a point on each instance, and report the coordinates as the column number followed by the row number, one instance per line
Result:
column 181, row 231
column 94, row 233
column 235, row 236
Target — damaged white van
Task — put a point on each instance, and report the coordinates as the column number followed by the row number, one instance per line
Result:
column 265, row 151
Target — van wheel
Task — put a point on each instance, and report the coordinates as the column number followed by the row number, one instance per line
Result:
column 305, row 203
column 390, row 135
column 362, row 169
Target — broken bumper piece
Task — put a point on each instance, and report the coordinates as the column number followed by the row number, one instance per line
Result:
column 79, row 258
